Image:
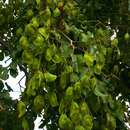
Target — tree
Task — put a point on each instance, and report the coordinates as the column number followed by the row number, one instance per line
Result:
column 77, row 76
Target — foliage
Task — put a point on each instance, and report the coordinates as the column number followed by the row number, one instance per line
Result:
column 8, row 114
column 76, row 74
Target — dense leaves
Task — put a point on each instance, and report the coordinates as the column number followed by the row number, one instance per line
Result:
column 75, row 70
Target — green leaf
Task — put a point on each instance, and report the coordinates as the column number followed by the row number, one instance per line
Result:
column 56, row 12
column 127, row 36
column 93, row 82
column 1, row 85
column 66, row 51
column 79, row 127
column 30, row 91
column 74, row 107
column 77, row 90
column 38, row 103
column 1, row 56
column 84, row 37
column 100, row 32
column 100, row 90
column 27, row 57
column 57, row 59
column 50, row 52
column 48, row 12
column 74, row 112
column 35, row 22
column 65, row 122
column 36, row 64
column 74, row 77
column 89, row 59
column 84, row 108
column 21, row 109
column 75, row 63
column 98, row 69
column 37, row 79
column 43, row 32
column 80, row 62
column 35, row 83
column 63, row 80
column 68, row 69
column 100, row 58
column 117, row 109
column 53, row 99
column 13, row 72
column 114, row 42
column 24, row 44
column 69, row 93
column 85, row 80
column 39, row 42
column 62, row 106
column 87, row 122
column 49, row 77
column 29, row 13
column 4, row 75
column 111, row 121
column 29, row 30
column 38, row 2
column 25, row 124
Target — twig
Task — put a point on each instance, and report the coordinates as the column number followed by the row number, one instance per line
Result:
column 70, row 40
column 99, row 22
column 2, row 43
column 66, row 36
column 113, row 75
column 22, row 68
column 1, row 108
column 20, row 84
column 7, row 60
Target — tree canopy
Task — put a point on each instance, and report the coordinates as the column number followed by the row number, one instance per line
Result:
column 75, row 56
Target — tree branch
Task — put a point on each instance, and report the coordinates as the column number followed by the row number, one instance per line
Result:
column 20, row 84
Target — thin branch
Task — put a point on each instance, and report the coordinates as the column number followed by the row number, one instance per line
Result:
column 113, row 75
column 22, row 68
column 2, row 43
column 7, row 60
column 66, row 36
column 70, row 40
column 1, row 108
column 99, row 22
column 20, row 82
